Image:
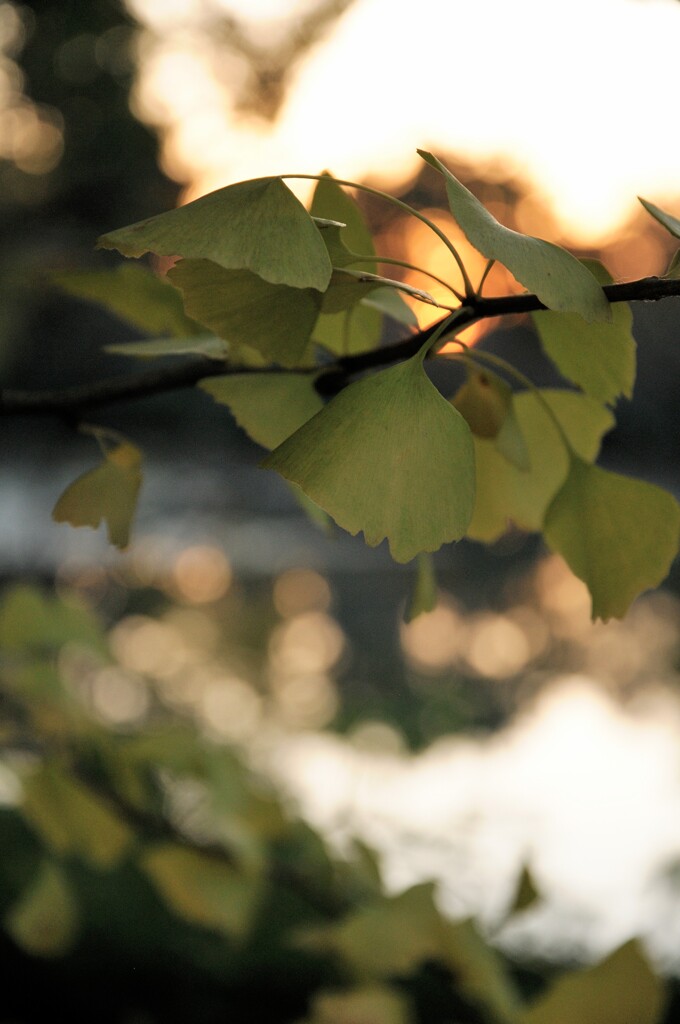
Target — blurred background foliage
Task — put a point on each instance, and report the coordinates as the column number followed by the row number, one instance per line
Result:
column 205, row 739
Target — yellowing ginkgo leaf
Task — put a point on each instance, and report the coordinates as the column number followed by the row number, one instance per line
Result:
column 256, row 225
column 107, row 493
column 388, row 456
column 240, row 307
column 616, row 534
column 484, row 400
column 599, row 357
column 553, row 274
column 509, row 494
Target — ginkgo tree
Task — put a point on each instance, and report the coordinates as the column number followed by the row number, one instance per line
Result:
column 280, row 310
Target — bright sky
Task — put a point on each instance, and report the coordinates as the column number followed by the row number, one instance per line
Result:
column 577, row 96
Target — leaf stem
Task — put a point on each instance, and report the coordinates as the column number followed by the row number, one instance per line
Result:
column 409, row 266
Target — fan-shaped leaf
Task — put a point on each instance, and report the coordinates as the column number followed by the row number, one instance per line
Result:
column 599, row 357
column 332, row 203
column 108, row 493
column 553, row 274
column 616, row 534
column 274, row 319
column 353, row 330
column 388, row 456
column 254, row 225
column 269, row 406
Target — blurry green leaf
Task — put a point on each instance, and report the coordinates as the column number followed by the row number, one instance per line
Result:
column 510, row 440
column 618, row 535
column 424, row 596
column 479, row 973
column 670, row 222
column 133, row 293
column 620, row 990
column 526, row 893
column 553, row 274
column 484, row 400
column 30, row 620
column 274, row 319
column 370, row 1004
column 388, row 456
column 269, row 406
column 347, row 287
column 507, row 494
column 353, row 330
column 201, row 888
column 673, row 270
column 108, row 493
column 44, row 920
column 599, row 357
column 331, row 202
column 72, row 819
column 390, row 302
column 254, row 225
column 201, row 344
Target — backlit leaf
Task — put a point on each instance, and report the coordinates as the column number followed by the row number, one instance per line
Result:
column 670, row 222
column 202, row 888
column 73, row 819
column 599, row 357
column 424, row 596
column 507, row 494
column 553, row 274
column 200, row 344
column 240, row 307
column 107, row 493
column 622, row 989
column 254, row 225
column 331, row 202
column 133, row 293
column 269, row 406
column 616, row 534
column 44, row 920
column 388, row 456
column 353, row 330
column 484, row 400
column 390, row 302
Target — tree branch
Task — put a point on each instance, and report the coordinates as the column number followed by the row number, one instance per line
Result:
column 74, row 402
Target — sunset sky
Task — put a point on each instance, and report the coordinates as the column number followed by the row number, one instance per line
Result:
column 576, row 97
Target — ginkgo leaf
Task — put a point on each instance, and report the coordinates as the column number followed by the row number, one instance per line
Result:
column 623, row 989
column 44, row 920
column 269, row 406
column 508, row 494
column 240, row 307
column 390, row 302
column 201, row 344
column 616, row 534
column 202, row 888
column 135, row 294
column 347, row 287
column 510, row 441
column 388, row 456
column 107, row 493
column 73, row 819
column 353, row 330
column 331, row 202
column 484, row 400
column 424, row 596
column 256, row 225
column 553, row 274
column 670, row 222
column 366, row 1004
column 599, row 357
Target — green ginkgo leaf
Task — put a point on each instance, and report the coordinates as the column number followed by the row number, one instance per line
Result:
column 670, row 222
column 333, row 203
column 269, row 406
column 390, row 302
column 599, row 357
column 107, row 493
column 353, row 330
column 553, row 274
column 424, row 596
column 254, row 225
column 135, row 294
column 616, row 534
column 347, row 287
column 508, row 494
column 484, row 400
column 202, row 888
column 388, row 456
column 274, row 319
column 623, row 989
column 44, row 920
